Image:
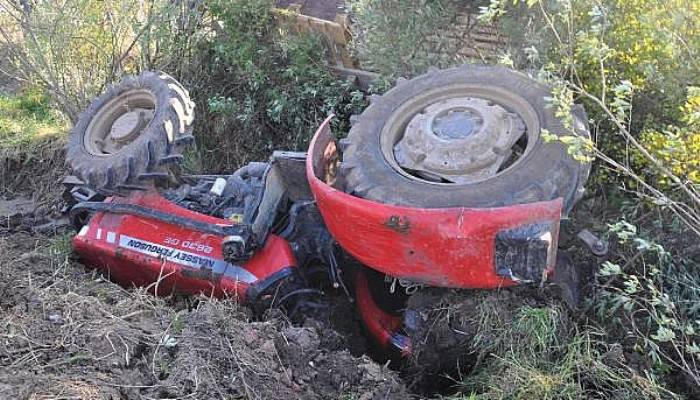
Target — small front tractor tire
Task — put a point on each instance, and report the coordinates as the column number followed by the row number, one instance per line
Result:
column 133, row 135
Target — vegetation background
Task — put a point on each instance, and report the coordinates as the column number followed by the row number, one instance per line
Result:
column 634, row 64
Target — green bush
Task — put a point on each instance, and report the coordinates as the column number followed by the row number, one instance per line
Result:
column 264, row 87
column 677, row 146
column 400, row 38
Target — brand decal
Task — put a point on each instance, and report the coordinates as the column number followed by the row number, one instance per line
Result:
column 216, row 266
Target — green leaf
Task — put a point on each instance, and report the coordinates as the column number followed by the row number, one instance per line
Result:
column 610, row 269
column 664, row 335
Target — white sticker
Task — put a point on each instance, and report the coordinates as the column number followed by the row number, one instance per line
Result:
column 217, row 266
column 111, row 237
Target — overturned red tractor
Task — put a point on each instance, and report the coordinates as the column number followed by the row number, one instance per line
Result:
column 444, row 181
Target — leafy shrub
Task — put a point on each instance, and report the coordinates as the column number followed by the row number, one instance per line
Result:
column 678, row 147
column 265, row 88
column 399, row 38
column 74, row 48
column 654, row 300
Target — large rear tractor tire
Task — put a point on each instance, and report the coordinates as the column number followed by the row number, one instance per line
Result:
column 463, row 137
column 133, row 135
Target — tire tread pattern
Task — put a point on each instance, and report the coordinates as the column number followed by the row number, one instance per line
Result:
column 548, row 172
column 154, row 155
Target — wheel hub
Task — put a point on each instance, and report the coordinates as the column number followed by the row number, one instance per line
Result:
column 128, row 126
column 458, row 140
column 456, row 124
column 119, row 122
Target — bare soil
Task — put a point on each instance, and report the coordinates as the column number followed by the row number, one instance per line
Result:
column 35, row 174
column 67, row 332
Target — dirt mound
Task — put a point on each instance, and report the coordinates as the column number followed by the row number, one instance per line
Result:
column 220, row 355
column 69, row 333
column 35, row 172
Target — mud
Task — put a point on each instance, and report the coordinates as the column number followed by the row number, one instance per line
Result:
column 67, row 332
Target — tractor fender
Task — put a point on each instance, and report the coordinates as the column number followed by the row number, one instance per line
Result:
column 447, row 247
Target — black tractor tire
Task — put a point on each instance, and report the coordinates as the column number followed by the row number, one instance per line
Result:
column 545, row 172
column 152, row 157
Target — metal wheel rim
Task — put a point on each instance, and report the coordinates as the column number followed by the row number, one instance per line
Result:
column 97, row 135
column 396, row 124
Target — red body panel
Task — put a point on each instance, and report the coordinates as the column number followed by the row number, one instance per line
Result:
column 164, row 257
column 383, row 326
column 446, row 247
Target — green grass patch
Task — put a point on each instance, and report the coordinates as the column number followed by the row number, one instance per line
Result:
column 59, row 246
column 542, row 354
column 27, row 118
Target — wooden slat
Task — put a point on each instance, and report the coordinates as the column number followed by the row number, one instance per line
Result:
column 335, row 35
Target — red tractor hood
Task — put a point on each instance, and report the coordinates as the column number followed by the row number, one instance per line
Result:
column 446, row 247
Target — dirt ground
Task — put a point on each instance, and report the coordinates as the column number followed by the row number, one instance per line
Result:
column 68, row 333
